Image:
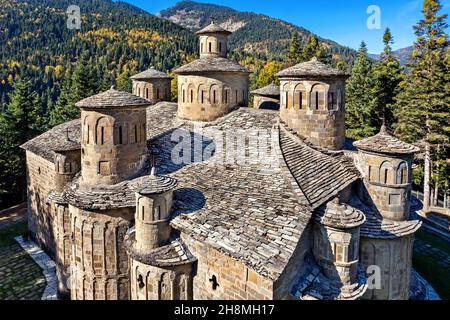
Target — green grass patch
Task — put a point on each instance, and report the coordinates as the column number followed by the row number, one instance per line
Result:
column 429, row 266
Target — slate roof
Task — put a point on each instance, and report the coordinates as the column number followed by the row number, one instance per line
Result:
column 157, row 184
column 314, row 285
column 112, row 99
column 320, row 176
column 377, row 227
column 340, row 216
column 213, row 28
column 385, row 143
column 65, row 137
column 313, row 68
column 211, row 64
column 271, row 90
column 174, row 254
column 151, row 73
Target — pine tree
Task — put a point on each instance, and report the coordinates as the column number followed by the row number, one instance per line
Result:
column 423, row 106
column 311, row 48
column 389, row 75
column 295, row 54
column 20, row 122
column 360, row 102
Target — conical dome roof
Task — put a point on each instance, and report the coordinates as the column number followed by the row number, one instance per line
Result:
column 341, row 216
column 213, row 28
column 383, row 142
column 151, row 73
column 157, row 184
column 112, row 99
column 270, row 90
column 312, row 68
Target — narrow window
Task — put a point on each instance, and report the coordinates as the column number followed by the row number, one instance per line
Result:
column 214, row 96
column 385, row 175
column 236, row 96
column 210, row 47
column 287, row 99
column 220, row 46
column 192, row 96
column 330, row 101
column 88, row 133
column 146, row 93
column 120, row 135
column 102, row 135
column 143, row 212
column 203, row 96
column 139, row 92
column 370, row 173
column 135, row 133
column 70, row 167
column 201, row 49
column 300, row 99
column 226, row 96
column 184, row 96
column 157, row 93
column 317, row 100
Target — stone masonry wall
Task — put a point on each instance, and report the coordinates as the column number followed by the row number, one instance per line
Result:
column 322, row 123
column 208, row 97
column 40, row 182
column 235, row 280
column 153, row 283
column 394, row 257
column 100, row 268
column 154, row 90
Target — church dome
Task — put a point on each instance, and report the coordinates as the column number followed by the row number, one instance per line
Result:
column 112, row 99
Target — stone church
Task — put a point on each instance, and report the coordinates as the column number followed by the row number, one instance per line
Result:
column 309, row 219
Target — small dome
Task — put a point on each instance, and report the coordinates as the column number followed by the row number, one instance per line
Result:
column 213, row 28
column 341, row 216
column 383, row 142
column 112, row 99
column 270, row 90
column 156, row 185
column 151, row 73
column 312, row 68
column 214, row 64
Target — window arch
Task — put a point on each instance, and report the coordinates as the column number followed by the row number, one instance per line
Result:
column 317, row 97
column 299, row 96
column 202, row 94
column 226, row 95
column 215, row 96
column 386, row 173
column 285, row 95
column 87, row 129
column 332, row 100
column 102, row 131
column 402, row 173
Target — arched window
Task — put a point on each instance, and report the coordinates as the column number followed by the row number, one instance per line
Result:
column 101, row 131
column 299, row 96
column 402, row 173
column 215, row 94
column 317, row 97
column 202, row 93
column 385, row 172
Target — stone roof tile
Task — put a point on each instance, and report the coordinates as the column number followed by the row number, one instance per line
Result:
column 270, row 90
column 151, row 74
column 341, row 216
column 213, row 28
column 112, row 99
column 313, row 68
column 211, row 64
column 383, row 142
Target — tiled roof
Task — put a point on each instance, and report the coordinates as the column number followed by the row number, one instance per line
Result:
column 270, row 90
column 112, row 99
column 383, row 142
column 65, row 137
column 213, row 64
column 320, row 176
column 174, row 254
column 213, row 28
column 339, row 215
column 378, row 227
column 313, row 68
column 151, row 74
column 157, row 184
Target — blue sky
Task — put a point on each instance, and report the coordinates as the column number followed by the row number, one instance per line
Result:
column 343, row 21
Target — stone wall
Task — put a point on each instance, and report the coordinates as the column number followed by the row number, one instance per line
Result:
column 387, row 181
column 153, row 283
column 114, row 145
column 63, row 237
column 210, row 96
column 315, row 110
column 41, row 178
column 213, row 45
column 394, row 257
column 234, row 280
column 153, row 90
column 100, row 267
